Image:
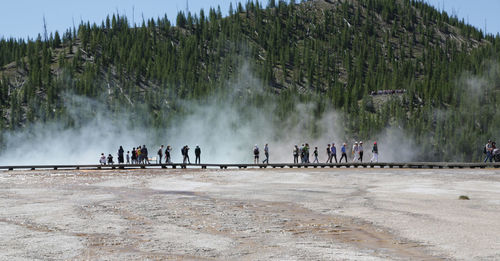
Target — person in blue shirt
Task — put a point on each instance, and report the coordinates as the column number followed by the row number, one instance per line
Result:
column 266, row 152
column 333, row 150
column 344, row 154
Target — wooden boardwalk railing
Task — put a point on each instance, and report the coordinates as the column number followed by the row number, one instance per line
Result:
column 426, row 165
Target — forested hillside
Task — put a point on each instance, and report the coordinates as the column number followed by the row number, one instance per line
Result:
column 328, row 53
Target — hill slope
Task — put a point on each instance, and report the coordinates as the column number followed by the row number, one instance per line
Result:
column 329, row 53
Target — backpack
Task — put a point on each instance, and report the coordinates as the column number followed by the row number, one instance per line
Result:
column 256, row 151
column 484, row 150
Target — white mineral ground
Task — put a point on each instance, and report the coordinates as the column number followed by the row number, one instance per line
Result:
column 265, row 214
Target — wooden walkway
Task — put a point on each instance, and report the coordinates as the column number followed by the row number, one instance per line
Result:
column 419, row 165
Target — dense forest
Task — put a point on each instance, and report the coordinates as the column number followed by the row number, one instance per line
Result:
column 335, row 55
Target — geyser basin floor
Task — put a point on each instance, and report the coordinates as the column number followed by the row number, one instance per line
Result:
column 298, row 214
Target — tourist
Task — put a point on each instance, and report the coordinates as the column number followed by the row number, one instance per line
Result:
column 374, row 152
column 197, row 153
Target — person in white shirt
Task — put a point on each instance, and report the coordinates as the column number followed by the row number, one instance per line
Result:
column 355, row 152
column 360, row 151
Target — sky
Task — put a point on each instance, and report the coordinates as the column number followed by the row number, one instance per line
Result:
column 24, row 18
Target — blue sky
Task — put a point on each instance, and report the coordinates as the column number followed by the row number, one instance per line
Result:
column 23, row 18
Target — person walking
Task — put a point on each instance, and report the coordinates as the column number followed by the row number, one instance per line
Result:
column 128, row 157
column 344, row 153
column 306, row 154
column 355, row 152
column 374, row 152
column 296, row 155
column 328, row 154
column 102, row 159
column 167, row 154
column 134, row 156
column 160, row 153
column 256, row 154
column 302, row 154
column 185, row 152
column 333, row 149
column 144, row 153
column 360, row 151
column 110, row 160
column 197, row 153
column 266, row 152
column 120, row 155
column 488, row 149
column 315, row 153
column 139, row 155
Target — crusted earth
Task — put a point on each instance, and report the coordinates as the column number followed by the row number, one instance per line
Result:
column 297, row 214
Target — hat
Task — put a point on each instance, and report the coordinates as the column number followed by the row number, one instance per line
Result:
column 345, row 143
column 355, row 142
column 375, row 142
column 360, row 142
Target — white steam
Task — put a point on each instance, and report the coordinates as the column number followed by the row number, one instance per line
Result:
column 226, row 127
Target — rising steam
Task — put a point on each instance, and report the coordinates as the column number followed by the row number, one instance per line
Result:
column 226, row 126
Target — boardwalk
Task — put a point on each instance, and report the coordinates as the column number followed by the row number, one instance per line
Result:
column 425, row 165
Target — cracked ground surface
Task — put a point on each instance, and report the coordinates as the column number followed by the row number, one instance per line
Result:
column 265, row 214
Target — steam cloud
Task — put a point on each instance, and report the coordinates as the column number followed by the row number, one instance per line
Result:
column 226, row 127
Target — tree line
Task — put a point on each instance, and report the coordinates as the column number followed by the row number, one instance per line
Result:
column 331, row 55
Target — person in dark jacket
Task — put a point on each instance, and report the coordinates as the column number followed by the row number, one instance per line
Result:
column 197, row 153
column 120, row 155
column 110, row 159
column 328, row 154
column 144, row 154
column 296, row 152
column 315, row 153
column 256, row 154
column 160, row 153
column 306, row 154
column 167, row 154
column 185, row 154
column 134, row 156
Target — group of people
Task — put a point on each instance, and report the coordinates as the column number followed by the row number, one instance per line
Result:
column 139, row 155
column 331, row 152
column 489, row 148
column 256, row 154
column 185, row 154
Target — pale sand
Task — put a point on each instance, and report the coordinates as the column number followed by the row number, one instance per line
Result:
column 270, row 214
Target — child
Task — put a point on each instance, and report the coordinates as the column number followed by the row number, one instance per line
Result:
column 315, row 155
column 128, row 157
column 102, row 160
column 110, row 159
